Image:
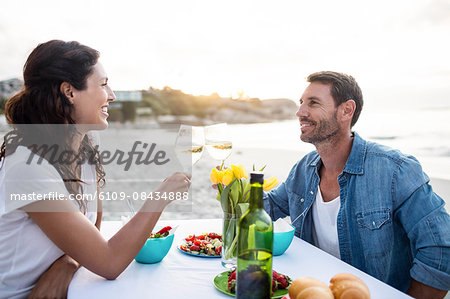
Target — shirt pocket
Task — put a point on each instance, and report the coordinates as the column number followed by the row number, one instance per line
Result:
column 375, row 232
column 376, row 238
column 373, row 220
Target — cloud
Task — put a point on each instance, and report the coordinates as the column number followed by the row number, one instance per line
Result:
column 264, row 48
column 436, row 12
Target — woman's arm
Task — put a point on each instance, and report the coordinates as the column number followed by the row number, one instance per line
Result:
column 73, row 233
column 54, row 283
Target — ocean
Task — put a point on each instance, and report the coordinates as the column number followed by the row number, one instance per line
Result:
column 423, row 133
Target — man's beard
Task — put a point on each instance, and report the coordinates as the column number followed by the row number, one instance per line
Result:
column 323, row 131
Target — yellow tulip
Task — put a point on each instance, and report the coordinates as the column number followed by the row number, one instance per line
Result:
column 270, row 183
column 239, row 172
column 244, row 172
column 236, row 171
column 227, row 177
column 216, row 176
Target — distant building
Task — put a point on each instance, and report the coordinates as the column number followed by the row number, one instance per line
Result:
column 125, row 95
column 10, row 87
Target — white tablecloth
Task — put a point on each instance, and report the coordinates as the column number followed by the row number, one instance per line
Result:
column 182, row 276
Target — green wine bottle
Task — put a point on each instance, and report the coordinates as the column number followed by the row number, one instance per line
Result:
column 254, row 247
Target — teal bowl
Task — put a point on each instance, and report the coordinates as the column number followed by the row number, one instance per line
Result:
column 154, row 250
column 282, row 241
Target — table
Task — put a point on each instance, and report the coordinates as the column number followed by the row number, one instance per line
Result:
column 182, row 276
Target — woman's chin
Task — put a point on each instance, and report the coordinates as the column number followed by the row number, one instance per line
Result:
column 103, row 126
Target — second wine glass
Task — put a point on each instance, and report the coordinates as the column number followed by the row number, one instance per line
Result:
column 218, row 141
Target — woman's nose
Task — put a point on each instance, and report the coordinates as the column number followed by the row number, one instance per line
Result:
column 111, row 95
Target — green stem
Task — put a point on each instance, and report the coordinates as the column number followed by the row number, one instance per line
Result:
column 231, row 251
column 229, row 235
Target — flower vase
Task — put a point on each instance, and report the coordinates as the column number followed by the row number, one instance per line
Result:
column 229, row 240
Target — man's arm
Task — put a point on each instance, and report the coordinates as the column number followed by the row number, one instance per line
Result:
column 421, row 291
column 428, row 229
column 427, row 225
column 276, row 202
column 54, row 283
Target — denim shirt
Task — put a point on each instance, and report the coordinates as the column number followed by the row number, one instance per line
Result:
column 391, row 224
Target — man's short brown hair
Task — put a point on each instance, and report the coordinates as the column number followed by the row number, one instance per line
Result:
column 343, row 88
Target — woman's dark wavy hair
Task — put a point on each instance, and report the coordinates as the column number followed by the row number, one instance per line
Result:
column 41, row 102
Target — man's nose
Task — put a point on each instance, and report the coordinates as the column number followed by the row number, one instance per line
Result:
column 302, row 111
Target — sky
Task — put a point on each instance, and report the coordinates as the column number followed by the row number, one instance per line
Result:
column 397, row 50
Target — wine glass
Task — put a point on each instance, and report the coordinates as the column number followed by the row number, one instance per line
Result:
column 218, row 141
column 189, row 145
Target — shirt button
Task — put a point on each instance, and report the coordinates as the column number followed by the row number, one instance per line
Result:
column 311, row 192
column 302, row 199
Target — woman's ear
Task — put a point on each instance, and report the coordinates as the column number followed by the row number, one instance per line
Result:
column 67, row 90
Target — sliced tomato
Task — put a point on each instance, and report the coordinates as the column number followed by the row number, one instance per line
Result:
column 191, row 238
column 164, row 229
column 194, row 248
column 214, row 236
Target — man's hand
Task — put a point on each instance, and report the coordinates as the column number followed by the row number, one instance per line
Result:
column 54, row 282
column 421, row 291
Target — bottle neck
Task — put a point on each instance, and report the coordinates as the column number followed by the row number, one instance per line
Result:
column 256, row 196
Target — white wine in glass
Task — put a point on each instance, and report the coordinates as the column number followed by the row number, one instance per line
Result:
column 218, row 141
column 189, row 145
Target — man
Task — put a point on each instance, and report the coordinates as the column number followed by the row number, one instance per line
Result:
column 369, row 205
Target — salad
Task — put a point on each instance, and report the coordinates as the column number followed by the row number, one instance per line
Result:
column 204, row 244
column 164, row 232
column 279, row 281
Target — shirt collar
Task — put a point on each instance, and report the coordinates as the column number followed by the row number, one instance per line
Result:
column 355, row 161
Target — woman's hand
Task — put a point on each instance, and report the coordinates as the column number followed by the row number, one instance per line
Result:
column 173, row 187
column 54, row 282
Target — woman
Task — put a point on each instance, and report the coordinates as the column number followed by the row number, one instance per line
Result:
column 40, row 250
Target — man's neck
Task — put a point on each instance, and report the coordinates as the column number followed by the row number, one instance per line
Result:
column 334, row 153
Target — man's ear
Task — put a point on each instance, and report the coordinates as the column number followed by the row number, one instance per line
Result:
column 348, row 109
column 67, row 90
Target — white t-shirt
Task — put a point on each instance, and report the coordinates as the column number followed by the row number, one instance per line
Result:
column 25, row 251
column 324, row 215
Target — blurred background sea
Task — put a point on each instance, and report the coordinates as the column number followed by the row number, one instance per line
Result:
column 423, row 133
